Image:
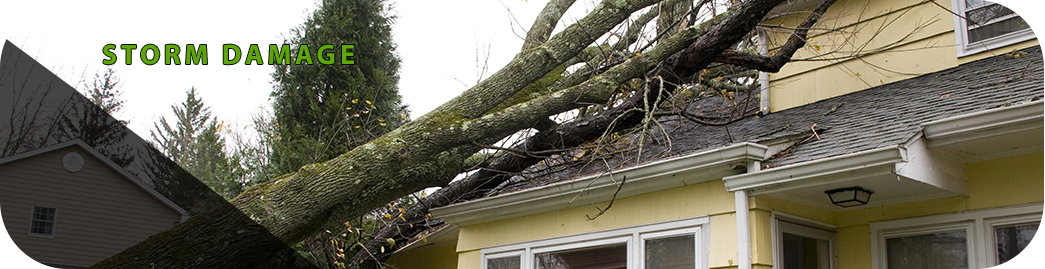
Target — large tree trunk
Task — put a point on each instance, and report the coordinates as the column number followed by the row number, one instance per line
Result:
column 583, row 130
column 424, row 153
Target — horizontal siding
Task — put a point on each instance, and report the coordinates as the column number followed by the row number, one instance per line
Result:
column 100, row 213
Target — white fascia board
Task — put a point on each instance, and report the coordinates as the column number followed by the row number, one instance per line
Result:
column 38, row 151
column 985, row 123
column 701, row 167
column 805, row 174
column 940, row 169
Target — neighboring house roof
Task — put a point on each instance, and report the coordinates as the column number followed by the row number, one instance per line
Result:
column 119, row 170
column 882, row 116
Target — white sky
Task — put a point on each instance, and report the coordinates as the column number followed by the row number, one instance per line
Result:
column 437, row 42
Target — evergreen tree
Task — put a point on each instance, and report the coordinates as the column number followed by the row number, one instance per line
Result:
column 92, row 120
column 194, row 142
column 104, row 91
column 322, row 110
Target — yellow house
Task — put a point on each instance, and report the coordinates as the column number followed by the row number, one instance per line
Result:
column 918, row 146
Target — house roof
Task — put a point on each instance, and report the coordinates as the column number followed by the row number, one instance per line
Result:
column 864, row 136
column 882, row 116
column 94, row 153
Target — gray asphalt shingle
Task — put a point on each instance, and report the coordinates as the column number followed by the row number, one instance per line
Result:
column 878, row 117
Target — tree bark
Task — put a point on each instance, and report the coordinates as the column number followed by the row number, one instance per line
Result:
column 424, row 153
column 572, row 134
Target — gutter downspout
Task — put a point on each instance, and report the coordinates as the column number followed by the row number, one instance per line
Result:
column 744, row 222
column 763, row 77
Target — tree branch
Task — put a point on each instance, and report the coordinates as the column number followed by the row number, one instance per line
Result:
column 783, row 56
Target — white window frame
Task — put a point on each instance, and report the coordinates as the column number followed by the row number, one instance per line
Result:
column 991, row 223
column 54, row 223
column 978, row 225
column 633, row 236
column 786, row 223
column 961, row 32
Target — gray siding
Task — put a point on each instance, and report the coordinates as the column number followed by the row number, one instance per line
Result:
column 99, row 214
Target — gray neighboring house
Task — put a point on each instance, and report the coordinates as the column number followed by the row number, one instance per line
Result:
column 68, row 206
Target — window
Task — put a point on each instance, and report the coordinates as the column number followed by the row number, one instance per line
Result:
column 673, row 244
column 802, row 244
column 964, row 240
column 936, row 247
column 981, row 25
column 42, row 221
column 1010, row 236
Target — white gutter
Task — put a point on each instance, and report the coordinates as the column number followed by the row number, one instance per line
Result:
column 744, row 222
column 987, row 123
column 660, row 175
column 816, row 172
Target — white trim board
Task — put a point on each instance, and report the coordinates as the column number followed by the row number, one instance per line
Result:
column 633, row 236
column 976, row 223
column 665, row 174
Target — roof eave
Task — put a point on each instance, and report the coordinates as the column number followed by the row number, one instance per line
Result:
column 987, row 123
column 806, row 173
column 112, row 166
column 701, row 167
column 933, row 157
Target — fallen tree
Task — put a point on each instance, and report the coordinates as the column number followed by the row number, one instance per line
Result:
column 558, row 138
column 431, row 150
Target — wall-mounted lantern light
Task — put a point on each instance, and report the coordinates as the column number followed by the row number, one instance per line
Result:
column 849, row 197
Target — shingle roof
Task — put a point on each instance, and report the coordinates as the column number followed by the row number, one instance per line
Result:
column 890, row 114
column 882, row 116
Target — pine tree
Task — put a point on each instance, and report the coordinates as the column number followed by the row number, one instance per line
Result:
column 104, row 91
column 324, row 110
column 93, row 121
column 194, row 142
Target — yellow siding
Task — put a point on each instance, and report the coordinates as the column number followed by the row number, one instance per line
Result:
column 996, row 183
column 855, row 247
column 761, row 237
column 723, row 250
column 895, row 39
column 770, row 203
column 688, row 201
column 703, row 199
column 469, row 260
column 1015, row 180
column 427, row 257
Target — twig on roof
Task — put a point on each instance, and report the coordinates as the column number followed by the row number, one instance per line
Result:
column 814, row 132
column 603, row 210
column 833, row 109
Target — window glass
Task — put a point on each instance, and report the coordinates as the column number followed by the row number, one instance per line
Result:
column 504, row 263
column 1012, row 239
column 1004, row 26
column 805, row 253
column 942, row 250
column 43, row 221
column 999, row 18
column 671, row 252
column 601, row 257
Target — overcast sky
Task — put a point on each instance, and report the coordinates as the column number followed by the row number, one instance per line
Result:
column 437, row 41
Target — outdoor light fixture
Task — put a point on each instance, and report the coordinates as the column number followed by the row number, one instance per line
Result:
column 849, row 197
